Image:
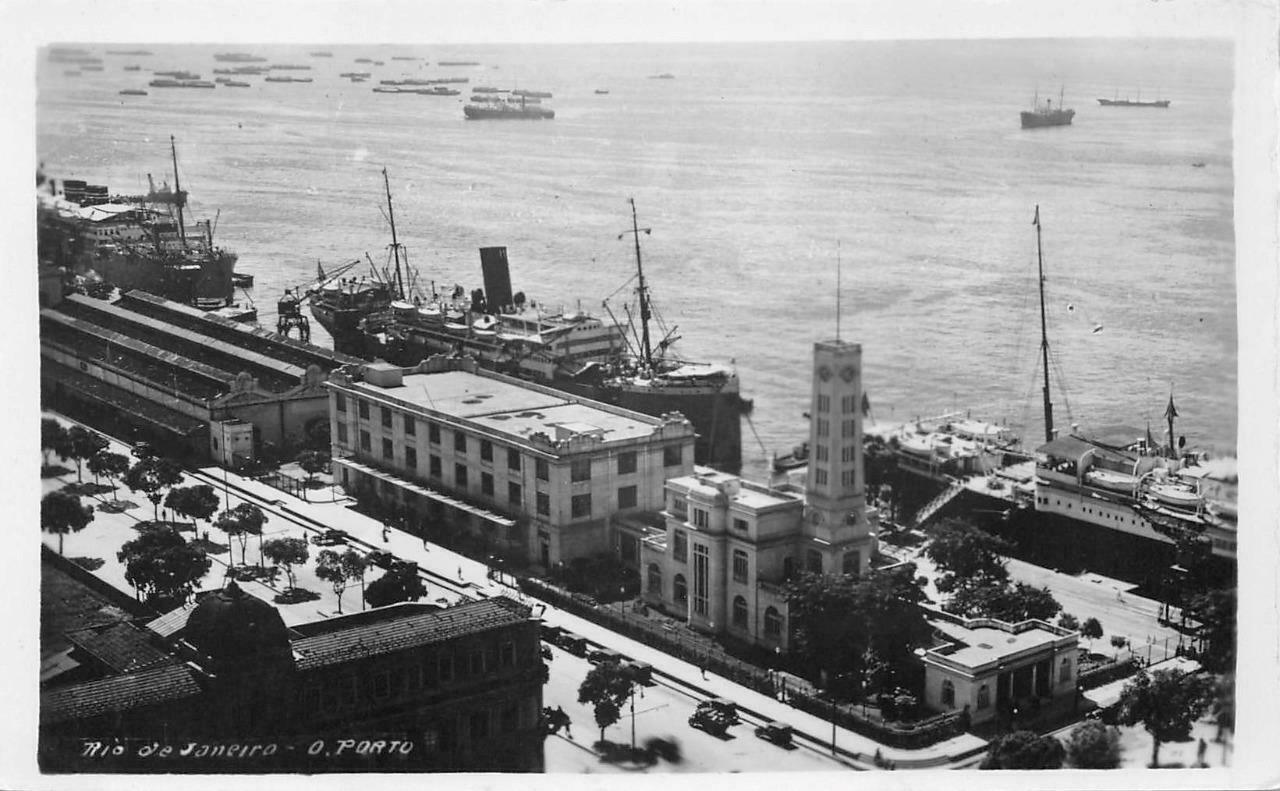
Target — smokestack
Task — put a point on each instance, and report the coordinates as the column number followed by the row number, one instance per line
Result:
column 497, row 277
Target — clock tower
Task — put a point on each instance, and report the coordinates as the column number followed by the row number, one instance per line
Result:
column 836, row 523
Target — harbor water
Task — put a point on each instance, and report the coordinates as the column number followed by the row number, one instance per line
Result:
column 768, row 173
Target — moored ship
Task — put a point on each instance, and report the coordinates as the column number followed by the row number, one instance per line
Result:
column 508, row 110
column 1047, row 115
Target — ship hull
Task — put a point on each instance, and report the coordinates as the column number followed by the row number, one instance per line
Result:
column 1032, row 120
column 1126, row 103
column 528, row 113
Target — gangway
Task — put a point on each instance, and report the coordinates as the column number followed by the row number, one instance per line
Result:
column 935, row 505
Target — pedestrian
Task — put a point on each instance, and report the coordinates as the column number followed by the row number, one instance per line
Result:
column 703, row 668
column 459, row 572
column 1200, row 750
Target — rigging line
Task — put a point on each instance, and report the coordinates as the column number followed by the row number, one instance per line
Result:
column 1062, row 383
column 756, row 434
column 619, row 288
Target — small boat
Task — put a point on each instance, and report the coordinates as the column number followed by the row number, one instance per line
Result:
column 1111, row 480
column 797, row 458
column 602, row 91
column 133, row 68
column 406, row 57
column 666, row 75
column 242, row 280
column 133, row 92
column 1175, row 495
column 235, row 84
column 1197, row 164
column 364, row 60
column 320, row 54
column 459, row 63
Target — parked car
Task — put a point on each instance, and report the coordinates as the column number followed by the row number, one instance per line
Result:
column 775, row 732
column 382, row 559
column 602, row 656
column 640, row 672
column 549, row 632
column 710, row 720
column 573, row 643
column 143, row 450
column 723, row 706
column 329, row 538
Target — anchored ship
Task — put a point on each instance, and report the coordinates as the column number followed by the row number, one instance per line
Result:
column 508, row 110
column 1046, row 114
column 134, row 241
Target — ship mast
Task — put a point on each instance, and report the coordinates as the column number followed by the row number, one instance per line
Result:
column 646, row 351
column 395, row 243
column 177, row 192
column 1044, row 336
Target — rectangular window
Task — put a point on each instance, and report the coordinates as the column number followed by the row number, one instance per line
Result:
column 739, row 565
column 433, row 462
column 541, row 470
column 486, row 450
column 386, row 417
column 824, row 403
column 365, row 442
column 820, row 476
column 433, row 433
column 580, row 470
column 813, row 561
column 362, row 408
column 486, row 484
column 580, row 505
column 700, row 518
column 846, row 404
column 627, row 462
column 672, row 456
column 627, row 497
column 847, row 453
column 846, row 428
column 701, row 583
column 459, row 442
column 822, row 453
column 388, row 451
column 340, row 402
column 514, row 495
column 740, row 524
column 342, row 433
column 544, row 503
column 852, row 563
column 824, row 426
column 513, row 459
column 411, row 457
column 679, row 507
column 846, row 478
column 680, row 547
column 460, row 476
column 410, row 426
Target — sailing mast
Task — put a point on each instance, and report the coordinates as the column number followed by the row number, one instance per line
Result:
column 1044, row 336
column 179, row 198
column 395, row 243
column 646, row 351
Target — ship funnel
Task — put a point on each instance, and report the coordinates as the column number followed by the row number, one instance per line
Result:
column 497, row 277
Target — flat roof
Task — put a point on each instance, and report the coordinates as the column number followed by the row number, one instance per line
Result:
column 748, row 494
column 985, row 644
column 508, row 408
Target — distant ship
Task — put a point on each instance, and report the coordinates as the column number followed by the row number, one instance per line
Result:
column 666, row 75
column 132, row 92
column 1133, row 103
column 459, row 63
column 168, row 83
column 1047, row 114
column 288, row 79
column 508, row 110
column 238, row 57
column 320, row 54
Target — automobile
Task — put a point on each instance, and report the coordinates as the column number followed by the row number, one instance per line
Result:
column 723, row 706
column 382, row 559
column 640, row 672
column 329, row 538
column 710, row 720
column 775, row 732
column 573, row 643
column 143, row 450
column 549, row 632
column 601, row 656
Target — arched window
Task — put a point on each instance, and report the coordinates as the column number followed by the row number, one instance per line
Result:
column 681, row 592
column 984, row 696
column 948, row 693
column 739, row 612
column 1064, row 672
column 772, row 623
column 655, row 579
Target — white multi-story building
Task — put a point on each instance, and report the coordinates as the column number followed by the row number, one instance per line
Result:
column 534, row 472
column 727, row 545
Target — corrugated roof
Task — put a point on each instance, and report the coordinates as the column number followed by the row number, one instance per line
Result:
column 384, row 637
column 121, row 646
column 118, row 694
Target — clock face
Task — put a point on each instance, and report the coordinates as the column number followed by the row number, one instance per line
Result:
column 847, row 373
column 824, row 373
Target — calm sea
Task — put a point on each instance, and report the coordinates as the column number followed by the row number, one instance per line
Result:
column 766, row 172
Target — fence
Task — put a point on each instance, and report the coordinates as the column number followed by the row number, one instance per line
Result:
column 705, row 654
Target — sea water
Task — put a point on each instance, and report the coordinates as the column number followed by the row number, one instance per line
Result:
column 767, row 173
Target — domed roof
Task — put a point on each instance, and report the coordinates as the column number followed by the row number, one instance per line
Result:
column 231, row 626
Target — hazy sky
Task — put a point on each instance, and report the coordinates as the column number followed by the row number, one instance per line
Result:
column 614, row 20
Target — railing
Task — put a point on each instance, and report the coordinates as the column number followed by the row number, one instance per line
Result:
column 937, row 503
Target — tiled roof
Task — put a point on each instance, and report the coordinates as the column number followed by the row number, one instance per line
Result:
column 121, row 646
column 118, row 694
column 384, row 637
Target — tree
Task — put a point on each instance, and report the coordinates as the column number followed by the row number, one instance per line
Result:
column 965, row 552
column 1093, row 745
column 1024, row 750
column 244, row 520
column 606, row 686
column 1025, row 601
column 401, row 583
column 845, row 624
column 339, row 570
column 149, row 476
column 1216, row 612
column 110, row 466
column 312, row 462
column 287, row 552
column 198, row 502
column 83, row 444
column 1167, row 703
column 1069, row 621
column 1224, row 704
column 1091, row 630
column 62, row 513
column 53, row 438
column 160, row 564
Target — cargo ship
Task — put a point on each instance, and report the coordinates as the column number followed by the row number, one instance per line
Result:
column 508, row 110
column 133, row 241
column 566, row 349
column 1046, row 114
column 1133, row 103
